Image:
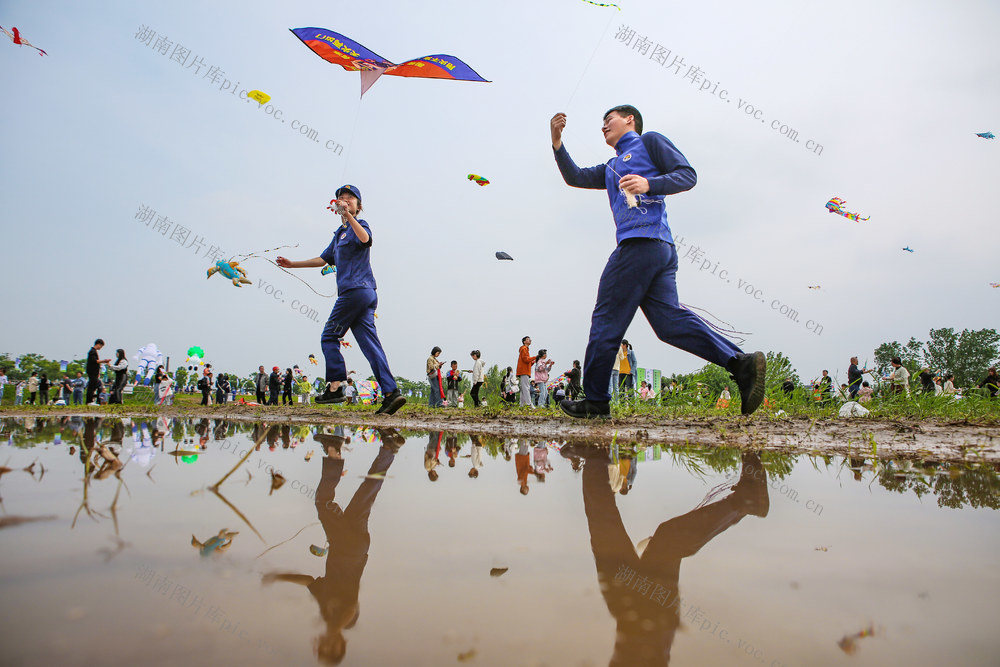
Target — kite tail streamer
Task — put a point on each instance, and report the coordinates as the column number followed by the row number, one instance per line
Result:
column 726, row 330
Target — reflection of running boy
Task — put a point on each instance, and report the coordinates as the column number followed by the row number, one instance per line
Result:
column 641, row 588
column 350, row 252
column 645, row 169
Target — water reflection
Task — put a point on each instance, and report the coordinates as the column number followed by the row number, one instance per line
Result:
column 640, row 584
column 347, row 538
column 163, row 479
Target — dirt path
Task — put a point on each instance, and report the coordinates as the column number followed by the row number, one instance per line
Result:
column 930, row 440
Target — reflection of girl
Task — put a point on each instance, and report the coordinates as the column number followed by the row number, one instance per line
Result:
column 346, row 530
column 357, row 300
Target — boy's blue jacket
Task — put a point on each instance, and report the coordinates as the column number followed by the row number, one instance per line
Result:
column 651, row 156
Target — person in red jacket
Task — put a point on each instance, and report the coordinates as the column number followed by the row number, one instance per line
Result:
column 524, row 362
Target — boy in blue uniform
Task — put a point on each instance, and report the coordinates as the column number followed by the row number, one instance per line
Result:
column 350, row 252
column 644, row 171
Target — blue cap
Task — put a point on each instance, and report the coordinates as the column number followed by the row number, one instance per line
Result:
column 349, row 188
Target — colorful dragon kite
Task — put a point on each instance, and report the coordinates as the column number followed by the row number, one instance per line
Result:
column 836, row 205
column 352, row 56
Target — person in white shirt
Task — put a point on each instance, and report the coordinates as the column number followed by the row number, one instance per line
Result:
column 899, row 378
column 3, row 382
column 478, row 378
column 120, row 367
column 949, row 385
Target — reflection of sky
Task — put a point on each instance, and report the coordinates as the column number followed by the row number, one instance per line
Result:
column 433, row 545
column 103, row 124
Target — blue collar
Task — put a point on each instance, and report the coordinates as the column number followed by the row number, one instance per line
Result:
column 620, row 146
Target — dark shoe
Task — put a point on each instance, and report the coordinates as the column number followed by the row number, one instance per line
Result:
column 332, row 396
column 750, row 492
column 578, row 452
column 328, row 441
column 391, row 403
column 586, row 409
column 391, row 439
column 748, row 371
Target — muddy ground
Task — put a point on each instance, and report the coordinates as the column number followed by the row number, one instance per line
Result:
column 911, row 439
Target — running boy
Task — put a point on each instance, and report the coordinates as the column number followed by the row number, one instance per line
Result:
column 350, row 252
column 644, row 170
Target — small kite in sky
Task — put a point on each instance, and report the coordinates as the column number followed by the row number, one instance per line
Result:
column 327, row 270
column 986, row 135
column 836, row 205
column 352, row 56
column 603, row 4
column 814, row 286
column 231, row 270
column 17, row 39
column 259, row 97
column 908, row 249
column 994, row 285
column 480, row 180
column 344, row 343
column 503, row 255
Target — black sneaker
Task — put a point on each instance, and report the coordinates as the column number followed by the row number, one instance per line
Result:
column 391, row 403
column 750, row 492
column 586, row 409
column 579, row 452
column 748, row 371
column 332, row 396
column 328, row 441
column 391, row 439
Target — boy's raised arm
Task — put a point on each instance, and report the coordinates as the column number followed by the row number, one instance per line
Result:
column 589, row 177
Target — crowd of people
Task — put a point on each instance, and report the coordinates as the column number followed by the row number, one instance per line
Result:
column 530, row 384
column 894, row 383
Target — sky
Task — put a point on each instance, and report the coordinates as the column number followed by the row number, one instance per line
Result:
column 778, row 106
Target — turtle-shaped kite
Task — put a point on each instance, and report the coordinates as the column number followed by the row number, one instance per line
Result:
column 231, row 270
column 219, row 542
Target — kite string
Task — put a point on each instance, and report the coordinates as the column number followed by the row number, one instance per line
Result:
column 261, row 252
column 325, row 296
column 590, row 60
column 350, row 143
column 315, row 523
column 259, row 255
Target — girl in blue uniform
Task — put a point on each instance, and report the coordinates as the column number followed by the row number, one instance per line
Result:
column 354, row 309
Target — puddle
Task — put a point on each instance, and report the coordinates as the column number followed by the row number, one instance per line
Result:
column 357, row 546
